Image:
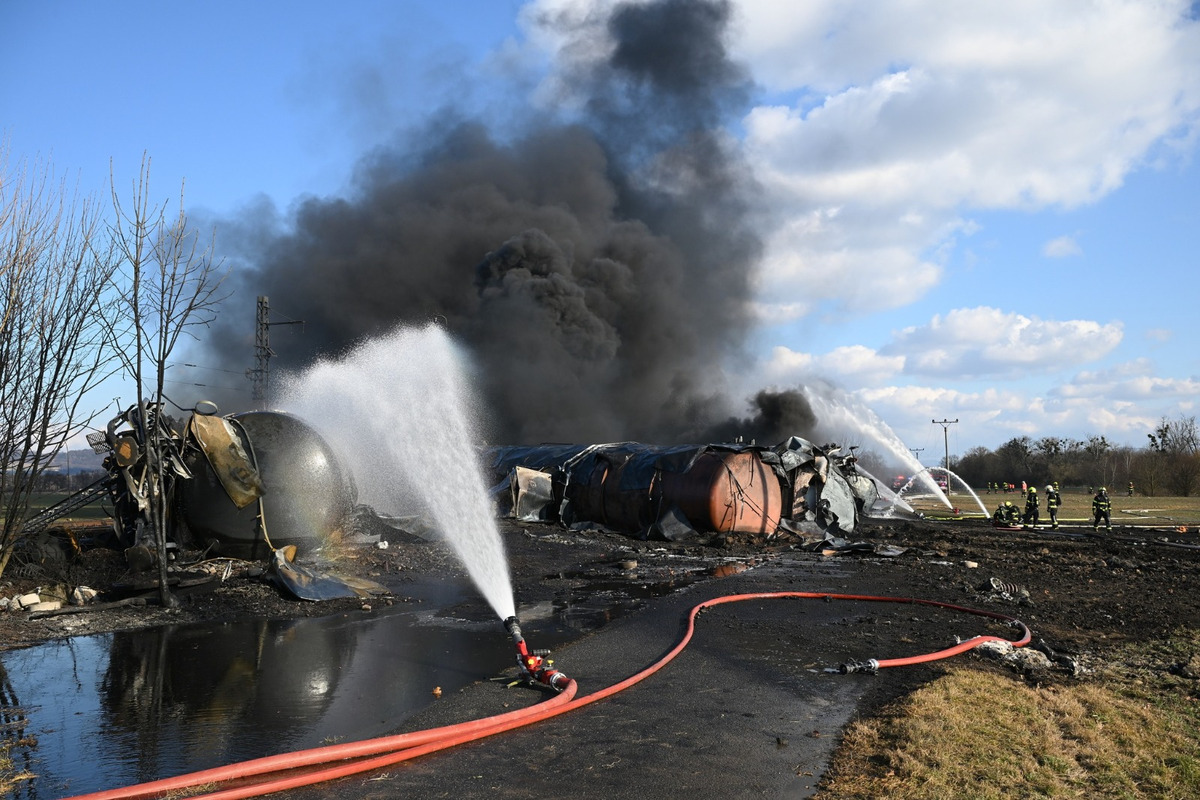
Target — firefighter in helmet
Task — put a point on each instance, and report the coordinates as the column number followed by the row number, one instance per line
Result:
column 1006, row 515
column 1031, row 507
column 1102, row 509
column 1053, row 501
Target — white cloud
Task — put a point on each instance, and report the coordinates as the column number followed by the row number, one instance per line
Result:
column 983, row 341
column 1160, row 334
column 886, row 121
column 1062, row 247
column 1128, row 382
column 898, row 112
column 854, row 365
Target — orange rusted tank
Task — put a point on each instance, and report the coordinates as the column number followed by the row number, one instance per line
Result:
column 727, row 492
column 633, row 487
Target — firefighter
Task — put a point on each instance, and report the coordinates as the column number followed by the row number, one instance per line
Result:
column 1031, row 507
column 1131, row 488
column 1006, row 514
column 1053, row 501
column 1102, row 508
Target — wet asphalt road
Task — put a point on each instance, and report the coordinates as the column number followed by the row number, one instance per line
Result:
column 745, row 711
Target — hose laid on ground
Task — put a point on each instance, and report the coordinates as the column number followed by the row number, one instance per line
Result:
column 308, row 767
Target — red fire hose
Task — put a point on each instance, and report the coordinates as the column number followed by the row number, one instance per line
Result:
column 306, row 767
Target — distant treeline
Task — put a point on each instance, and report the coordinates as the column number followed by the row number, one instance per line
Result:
column 1168, row 465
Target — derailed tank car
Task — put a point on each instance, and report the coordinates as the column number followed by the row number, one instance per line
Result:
column 271, row 482
column 673, row 492
column 244, row 485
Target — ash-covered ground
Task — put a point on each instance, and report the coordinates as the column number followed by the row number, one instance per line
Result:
column 751, row 710
column 1078, row 592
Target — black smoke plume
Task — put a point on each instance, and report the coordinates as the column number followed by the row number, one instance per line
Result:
column 599, row 272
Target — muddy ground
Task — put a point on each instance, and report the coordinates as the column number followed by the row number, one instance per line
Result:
column 1083, row 590
column 1084, row 596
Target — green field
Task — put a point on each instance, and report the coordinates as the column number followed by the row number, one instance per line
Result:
column 1076, row 509
column 89, row 513
column 1138, row 511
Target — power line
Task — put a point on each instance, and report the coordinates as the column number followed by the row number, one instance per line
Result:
column 201, row 366
column 206, row 385
column 946, row 423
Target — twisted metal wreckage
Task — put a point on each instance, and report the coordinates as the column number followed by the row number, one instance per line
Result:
column 246, row 487
column 264, row 485
column 678, row 492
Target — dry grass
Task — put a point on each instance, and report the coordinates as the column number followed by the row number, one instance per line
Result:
column 1159, row 512
column 976, row 733
column 10, row 774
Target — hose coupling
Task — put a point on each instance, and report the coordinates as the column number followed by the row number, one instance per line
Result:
column 869, row 667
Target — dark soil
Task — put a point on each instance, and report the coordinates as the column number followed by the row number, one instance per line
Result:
column 1083, row 595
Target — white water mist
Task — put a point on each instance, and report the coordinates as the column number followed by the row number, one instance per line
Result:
column 845, row 412
column 398, row 410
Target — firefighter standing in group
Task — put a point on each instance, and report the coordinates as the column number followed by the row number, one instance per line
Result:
column 1101, row 508
column 1031, row 507
column 1053, row 501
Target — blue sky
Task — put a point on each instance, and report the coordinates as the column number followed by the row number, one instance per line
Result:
column 985, row 211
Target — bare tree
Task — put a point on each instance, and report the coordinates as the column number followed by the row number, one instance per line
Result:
column 55, row 268
column 170, row 282
column 1177, row 442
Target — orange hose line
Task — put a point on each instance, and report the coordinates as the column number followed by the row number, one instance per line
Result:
column 373, row 754
column 302, row 758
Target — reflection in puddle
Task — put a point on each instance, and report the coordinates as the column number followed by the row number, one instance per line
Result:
column 114, row 709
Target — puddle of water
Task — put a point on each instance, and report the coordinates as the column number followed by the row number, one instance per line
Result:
column 115, row 709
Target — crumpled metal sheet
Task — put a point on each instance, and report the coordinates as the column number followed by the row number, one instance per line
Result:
column 220, row 444
column 532, row 495
column 308, row 583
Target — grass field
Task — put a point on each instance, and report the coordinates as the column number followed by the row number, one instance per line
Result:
column 1139, row 511
column 1135, row 737
column 1130, row 731
column 1160, row 512
column 42, row 500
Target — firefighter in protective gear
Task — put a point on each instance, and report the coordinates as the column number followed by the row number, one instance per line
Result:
column 1031, row 507
column 1006, row 515
column 1053, row 501
column 1102, row 509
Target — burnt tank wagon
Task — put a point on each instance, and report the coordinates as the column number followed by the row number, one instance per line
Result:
column 674, row 491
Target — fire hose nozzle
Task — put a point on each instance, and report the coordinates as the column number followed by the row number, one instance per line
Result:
column 870, row 667
column 514, row 629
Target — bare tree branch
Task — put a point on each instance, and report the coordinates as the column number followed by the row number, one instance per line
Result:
column 55, row 268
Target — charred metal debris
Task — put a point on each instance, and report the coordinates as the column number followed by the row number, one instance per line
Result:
column 683, row 492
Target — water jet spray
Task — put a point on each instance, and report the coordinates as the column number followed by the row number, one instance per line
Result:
column 404, row 418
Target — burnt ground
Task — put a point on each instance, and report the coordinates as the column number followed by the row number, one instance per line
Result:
column 1084, row 590
column 1085, row 596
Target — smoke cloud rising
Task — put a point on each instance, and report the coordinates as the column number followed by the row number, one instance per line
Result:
column 599, row 271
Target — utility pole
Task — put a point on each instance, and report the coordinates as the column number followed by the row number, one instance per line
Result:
column 260, row 376
column 916, row 450
column 946, row 423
